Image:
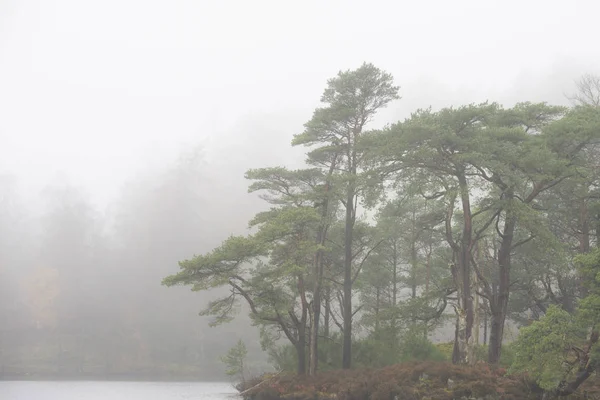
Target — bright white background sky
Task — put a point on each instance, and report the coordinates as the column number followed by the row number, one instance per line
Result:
column 98, row 90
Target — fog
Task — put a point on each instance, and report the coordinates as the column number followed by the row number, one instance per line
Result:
column 126, row 128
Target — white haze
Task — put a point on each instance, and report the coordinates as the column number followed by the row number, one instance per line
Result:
column 100, row 90
column 108, row 94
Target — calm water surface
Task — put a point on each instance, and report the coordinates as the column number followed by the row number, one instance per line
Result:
column 116, row 391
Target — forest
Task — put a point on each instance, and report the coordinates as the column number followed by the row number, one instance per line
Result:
column 484, row 218
column 80, row 293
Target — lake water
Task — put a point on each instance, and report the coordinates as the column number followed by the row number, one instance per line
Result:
column 116, row 391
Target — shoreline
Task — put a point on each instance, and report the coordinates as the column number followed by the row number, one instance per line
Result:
column 46, row 378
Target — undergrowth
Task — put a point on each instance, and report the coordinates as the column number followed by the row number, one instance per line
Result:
column 406, row 381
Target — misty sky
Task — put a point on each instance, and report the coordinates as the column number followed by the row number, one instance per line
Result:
column 98, row 90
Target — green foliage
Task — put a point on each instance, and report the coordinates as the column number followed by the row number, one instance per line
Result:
column 507, row 358
column 446, row 348
column 416, row 347
column 481, row 351
column 589, row 306
column 283, row 358
column 542, row 348
column 351, row 99
column 471, row 198
column 375, row 352
column 235, row 360
column 381, row 350
column 560, row 346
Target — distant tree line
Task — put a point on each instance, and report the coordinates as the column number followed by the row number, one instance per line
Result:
column 80, row 292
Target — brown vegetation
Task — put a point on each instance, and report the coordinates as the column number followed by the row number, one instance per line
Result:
column 407, row 381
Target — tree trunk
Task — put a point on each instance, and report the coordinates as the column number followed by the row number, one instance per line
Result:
column 318, row 272
column 477, row 306
column 242, row 373
column 301, row 351
column 428, row 267
column 598, row 231
column 394, row 291
column 377, row 311
column 413, row 275
column 584, row 244
column 584, row 226
column 347, row 346
column 314, row 337
column 485, row 329
column 584, row 370
column 309, row 344
column 455, row 348
column 316, row 312
column 301, row 327
column 497, row 320
column 326, row 317
column 476, row 322
column 499, row 301
column 413, row 272
column 462, row 276
column 348, row 236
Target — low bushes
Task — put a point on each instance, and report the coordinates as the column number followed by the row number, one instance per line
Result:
column 406, row 381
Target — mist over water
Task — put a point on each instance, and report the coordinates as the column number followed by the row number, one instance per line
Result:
column 115, row 391
column 126, row 128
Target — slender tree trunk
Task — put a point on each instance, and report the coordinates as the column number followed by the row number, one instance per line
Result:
column 476, row 322
column 377, row 306
column 598, row 231
column 584, row 243
column 313, row 340
column 326, row 317
column 499, row 301
column 427, row 279
column 464, row 311
column 413, row 272
column 301, row 327
column 316, row 312
column 428, row 267
column 584, row 223
column 413, row 276
column 242, row 368
column 413, row 256
column 348, row 236
column 2, row 353
column 318, row 272
column 485, row 329
column 394, row 291
column 309, row 344
column 348, row 239
column 477, row 308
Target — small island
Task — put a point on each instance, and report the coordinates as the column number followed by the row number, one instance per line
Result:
column 406, row 381
column 461, row 217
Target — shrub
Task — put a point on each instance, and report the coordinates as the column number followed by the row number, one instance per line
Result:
column 415, row 347
column 407, row 381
